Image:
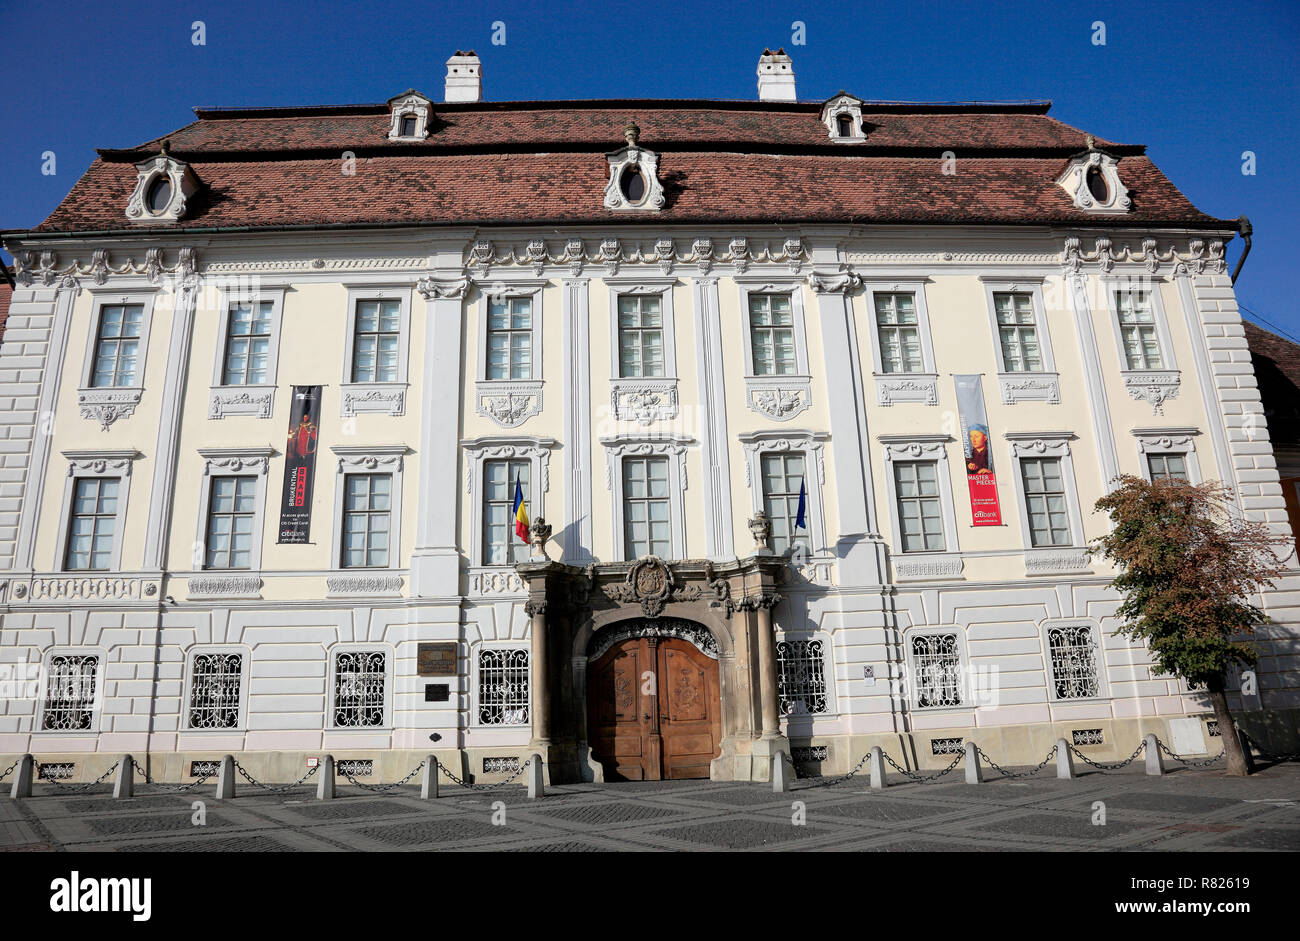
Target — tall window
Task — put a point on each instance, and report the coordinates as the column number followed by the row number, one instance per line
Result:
column 1049, row 516
column 1137, row 326
column 900, row 337
column 248, row 344
column 936, row 661
column 1017, row 332
column 782, row 479
column 646, row 529
column 510, row 338
column 920, row 517
column 500, row 544
column 801, row 677
column 378, row 333
column 231, row 511
column 1167, row 466
column 367, row 502
column 1074, row 662
column 503, row 686
column 117, row 345
column 70, row 693
column 91, row 529
column 359, row 688
column 214, row 690
column 771, row 334
column 640, row 336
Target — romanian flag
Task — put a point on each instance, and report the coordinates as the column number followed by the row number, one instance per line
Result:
column 521, row 514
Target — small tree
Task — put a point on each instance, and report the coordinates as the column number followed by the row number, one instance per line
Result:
column 1187, row 566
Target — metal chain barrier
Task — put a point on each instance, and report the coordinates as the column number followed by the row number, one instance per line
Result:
column 1258, row 747
column 484, row 787
column 280, row 789
column 1100, row 766
column 923, row 778
column 144, row 777
column 382, row 787
column 1190, row 762
column 75, row 788
column 1016, row 774
column 7, row 771
column 832, row 781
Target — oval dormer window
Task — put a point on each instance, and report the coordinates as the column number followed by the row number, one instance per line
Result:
column 408, row 125
column 632, row 183
column 160, row 195
column 844, row 125
column 1097, row 184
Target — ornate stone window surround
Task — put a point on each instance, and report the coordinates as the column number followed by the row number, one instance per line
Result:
column 944, row 563
column 414, row 105
column 537, row 451
column 509, row 402
column 106, row 404
column 1181, row 441
column 920, row 387
column 256, row 400
column 644, row 399
column 779, row 398
column 811, row 444
column 95, row 464
column 184, row 184
column 1103, row 686
column 1075, row 182
column 1049, row 560
column 805, row 721
column 369, row 459
column 384, row 398
column 672, row 447
column 638, row 159
column 476, row 685
column 968, row 699
column 1040, row 386
column 331, row 658
column 232, row 462
column 844, row 104
column 1155, row 386
column 246, row 658
column 96, row 716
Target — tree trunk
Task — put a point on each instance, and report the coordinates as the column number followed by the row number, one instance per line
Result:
column 1227, row 730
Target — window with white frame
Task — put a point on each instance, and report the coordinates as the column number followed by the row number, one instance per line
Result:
column 646, row 508
column 801, row 677
column 232, row 517
column 936, row 670
column 377, row 341
column 503, row 686
column 92, row 527
column 640, row 336
column 359, row 681
column 899, row 333
column 69, row 704
column 1167, row 466
column 920, row 510
column 510, row 338
column 215, row 681
column 783, row 485
column 1137, row 327
column 1018, row 332
column 367, row 511
column 772, row 334
column 117, row 345
column 249, row 330
column 1073, row 653
column 501, row 544
column 1046, row 502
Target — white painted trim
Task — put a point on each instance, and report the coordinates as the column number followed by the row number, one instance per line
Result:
column 644, row 399
column 102, row 464
column 779, row 398
column 1155, row 386
column 1095, row 383
column 715, row 451
column 256, row 399
column 477, row 451
column 107, row 404
column 531, row 288
column 232, row 462
column 372, row 459
column 187, row 696
column 387, row 398
column 576, row 538
column 1049, row 560
column 672, row 447
column 921, row 386
column 1205, row 379
column 1035, row 386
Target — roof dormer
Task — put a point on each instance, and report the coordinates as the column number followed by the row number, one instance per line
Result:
column 410, row 116
column 842, row 116
column 633, row 184
column 1092, row 180
column 163, row 187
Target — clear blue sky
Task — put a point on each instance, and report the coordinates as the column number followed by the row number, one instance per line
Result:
column 1197, row 83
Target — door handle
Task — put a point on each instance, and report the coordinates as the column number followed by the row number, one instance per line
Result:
column 645, row 715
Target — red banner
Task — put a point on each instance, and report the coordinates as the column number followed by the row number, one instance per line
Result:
column 980, row 478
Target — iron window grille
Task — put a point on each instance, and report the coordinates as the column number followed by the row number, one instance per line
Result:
column 801, row 677
column 936, row 661
column 355, row 767
column 70, row 693
column 1074, row 662
column 503, row 686
column 508, row 765
column 947, row 746
column 359, row 678
column 1086, row 737
column 55, row 770
column 214, row 690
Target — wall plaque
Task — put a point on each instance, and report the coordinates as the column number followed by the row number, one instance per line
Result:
column 436, row 659
column 437, row 692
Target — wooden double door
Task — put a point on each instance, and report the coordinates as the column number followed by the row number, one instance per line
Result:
column 653, row 710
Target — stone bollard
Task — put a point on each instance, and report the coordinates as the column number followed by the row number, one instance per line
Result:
column 536, row 788
column 429, row 786
column 1155, row 766
column 226, row 778
column 125, row 784
column 877, row 765
column 780, row 773
column 22, row 786
column 973, row 775
column 1245, row 750
column 1064, row 760
column 325, row 779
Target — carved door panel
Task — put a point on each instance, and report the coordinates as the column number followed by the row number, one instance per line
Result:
column 616, row 713
column 689, row 709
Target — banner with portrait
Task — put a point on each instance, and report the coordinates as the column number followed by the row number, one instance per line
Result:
column 980, row 477
column 300, row 465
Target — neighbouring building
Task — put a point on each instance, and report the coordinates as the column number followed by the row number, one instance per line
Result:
column 814, row 398
column 1277, row 367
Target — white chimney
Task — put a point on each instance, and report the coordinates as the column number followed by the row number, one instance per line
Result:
column 775, row 76
column 464, row 77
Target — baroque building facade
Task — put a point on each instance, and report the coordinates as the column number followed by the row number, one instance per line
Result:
column 815, row 396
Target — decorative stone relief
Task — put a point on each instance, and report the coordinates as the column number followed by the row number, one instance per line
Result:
column 1031, row 387
column 433, row 288
column 1030, row 445
column 380, row 398
column 1092, row 180
column 651, row 584
column 224, row 586
column 644, row 400
column 1199, row 259
column 575, row 254
column 508, row 404
column 1155, row 386
column 1158, row 441
column 844, row 105
column 616, row 449
column 930, row 566
column 695, row 634
column 485, row 449
column 493, row 581
column 179, row 177
column 236, row 460
column 91, row 588
column 225, row 400
column 1056, row 561
column 108, row 405
column 633, row 184
column 409, row 104
column 779, row 398
column 810, row 443
column 921, row 388
column 350, row 585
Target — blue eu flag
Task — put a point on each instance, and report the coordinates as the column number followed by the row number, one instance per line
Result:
column 801, row 521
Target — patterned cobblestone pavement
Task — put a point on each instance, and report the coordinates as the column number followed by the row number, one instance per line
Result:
column 1184, row 810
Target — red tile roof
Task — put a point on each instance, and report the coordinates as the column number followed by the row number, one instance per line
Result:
column 1277, row 367
column 540, row 163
